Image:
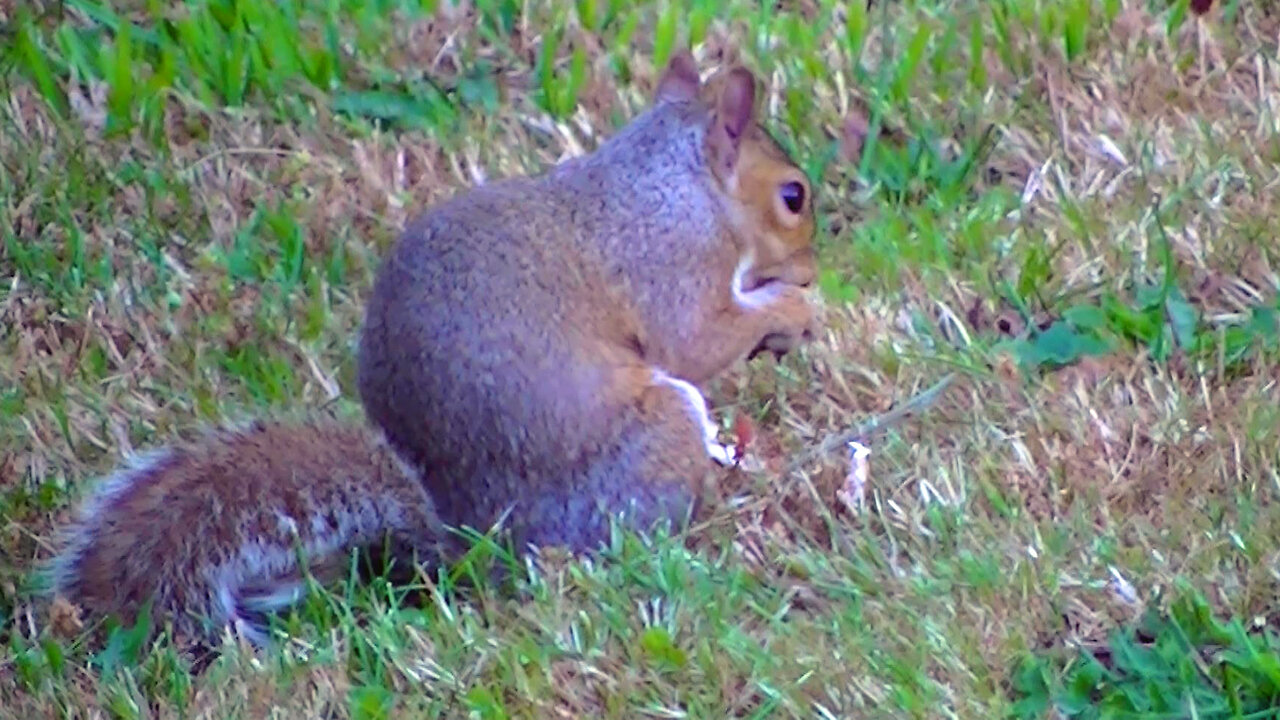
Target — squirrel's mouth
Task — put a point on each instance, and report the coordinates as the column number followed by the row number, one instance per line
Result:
column 788, row 273
column 752, row 282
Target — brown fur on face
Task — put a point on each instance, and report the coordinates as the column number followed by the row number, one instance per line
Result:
column 758, row 178
column 781, row 237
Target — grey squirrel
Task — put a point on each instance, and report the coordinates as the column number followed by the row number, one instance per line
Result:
column 535, row 343
column 530, row 353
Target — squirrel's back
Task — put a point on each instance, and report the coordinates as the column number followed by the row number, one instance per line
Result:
column 209, row 530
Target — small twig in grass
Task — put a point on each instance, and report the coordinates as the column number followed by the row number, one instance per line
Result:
column 874, row 424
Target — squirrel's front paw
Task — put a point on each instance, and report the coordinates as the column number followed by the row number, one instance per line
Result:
column 797, row 323
column 776, row 343
column 724, row 455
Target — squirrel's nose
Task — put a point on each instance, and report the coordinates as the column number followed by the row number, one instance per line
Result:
column 806, row 273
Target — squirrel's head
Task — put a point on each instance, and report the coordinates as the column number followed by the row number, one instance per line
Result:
column 769, row 198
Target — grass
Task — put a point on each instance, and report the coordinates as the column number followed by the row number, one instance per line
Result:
column 1070, row 204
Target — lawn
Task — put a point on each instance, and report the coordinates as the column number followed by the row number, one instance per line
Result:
column 1070, row 207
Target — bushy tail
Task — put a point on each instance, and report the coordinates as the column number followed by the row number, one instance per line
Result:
column 223, row 532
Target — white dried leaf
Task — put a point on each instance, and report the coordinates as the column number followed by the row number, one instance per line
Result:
column 853, row 493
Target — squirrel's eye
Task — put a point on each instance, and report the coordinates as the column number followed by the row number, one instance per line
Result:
column 793, row 196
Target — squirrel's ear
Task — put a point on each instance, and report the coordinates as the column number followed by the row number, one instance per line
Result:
column 735, row 106
column 680, row 79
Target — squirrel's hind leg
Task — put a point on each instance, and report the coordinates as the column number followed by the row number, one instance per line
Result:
column 654, row 473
